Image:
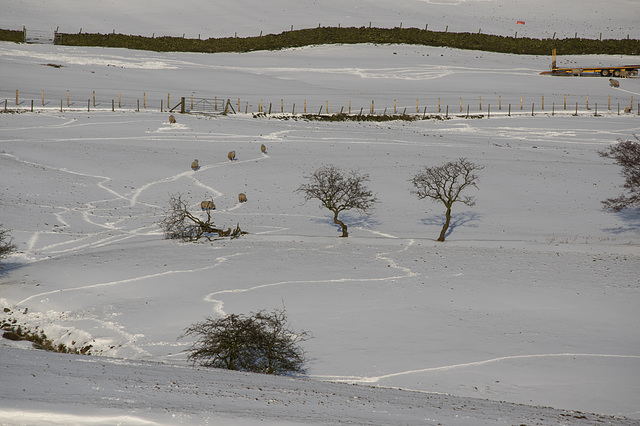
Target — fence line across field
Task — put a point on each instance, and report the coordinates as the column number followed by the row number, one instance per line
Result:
column 509, row 105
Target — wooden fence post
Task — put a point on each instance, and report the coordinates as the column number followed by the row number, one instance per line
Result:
column 417, row 109
column 94, row 98
column 160, row 104
column 542, row 102
column 565, row 100
column 394, row 107
column 43, row 98
column 113, row 105
column 182, row 106
column 31, row 105
column 439, row 106
column 489, row 111
column 5, row 105
column 281, row 105
column 120, row 99
column 499, row 103
column 16, row 97
column 168, row 103
column 371, row 107
column 521, row 102
column 480, row 103
column 509, row 110
column 532, row 108
column 460, row 103
column 138, row 105
column 293, row 110
column 609, row 103
column 576, row 108
column 587, row 102
column 349, row 107
column 88, row 104
column 67, row 99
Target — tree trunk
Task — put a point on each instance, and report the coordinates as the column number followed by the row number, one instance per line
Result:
column 341, row 223
column 446, row 224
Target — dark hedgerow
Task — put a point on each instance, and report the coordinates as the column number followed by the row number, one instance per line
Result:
column 350, row 35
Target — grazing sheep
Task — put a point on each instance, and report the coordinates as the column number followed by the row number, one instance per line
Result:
column 195, row 165
column 625, row 74
column 172, row 119
column 576, row 71
column 614, row 83
column 627, row 110
column 263, row 148
column 207, row 205
column 232, row 156
column 242, row 197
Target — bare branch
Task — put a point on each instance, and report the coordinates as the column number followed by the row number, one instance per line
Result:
column 180, row 224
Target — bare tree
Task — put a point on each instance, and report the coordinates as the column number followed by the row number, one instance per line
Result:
column 627, row 155
column 445, row 184
column 261, row 343
column 339, row 191
column 6, row 243
column 179, row 223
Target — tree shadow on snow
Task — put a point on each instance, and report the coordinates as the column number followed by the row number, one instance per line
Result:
column 458, row 219
column 7, row 267
column 352, row 220
column 631, row 219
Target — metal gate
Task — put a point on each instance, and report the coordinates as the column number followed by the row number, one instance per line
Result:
column 40, row 37
column 211, row 106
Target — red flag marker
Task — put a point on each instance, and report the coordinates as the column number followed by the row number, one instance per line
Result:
column 521, row 22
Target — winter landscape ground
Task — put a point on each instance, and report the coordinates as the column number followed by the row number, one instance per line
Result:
column 530, row 303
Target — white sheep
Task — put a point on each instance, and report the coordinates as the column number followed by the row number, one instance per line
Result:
column 207, row 205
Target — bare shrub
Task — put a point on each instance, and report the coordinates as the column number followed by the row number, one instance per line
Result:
column 627, row 155
column 260, row 343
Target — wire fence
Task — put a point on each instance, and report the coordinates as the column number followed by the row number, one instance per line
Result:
column 445, row 106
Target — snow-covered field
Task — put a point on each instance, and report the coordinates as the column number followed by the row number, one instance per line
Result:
column 531, row 300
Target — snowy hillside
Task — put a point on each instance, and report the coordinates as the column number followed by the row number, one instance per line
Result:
column 531, row 300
